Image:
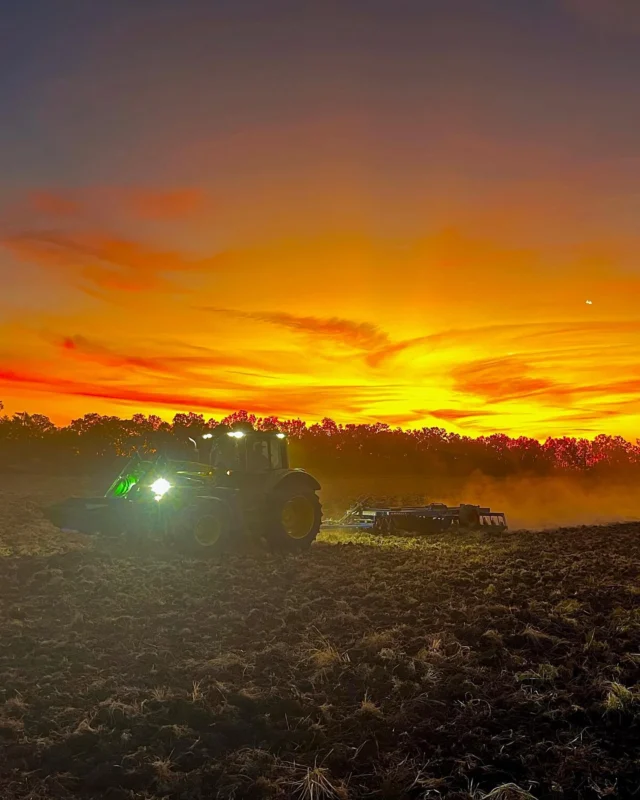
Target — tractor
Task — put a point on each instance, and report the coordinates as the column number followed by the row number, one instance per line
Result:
column 232, row 484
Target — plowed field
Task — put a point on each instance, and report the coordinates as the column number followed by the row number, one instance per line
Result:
column 460, row 666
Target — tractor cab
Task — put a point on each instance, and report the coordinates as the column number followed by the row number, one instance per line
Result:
column 248, row 451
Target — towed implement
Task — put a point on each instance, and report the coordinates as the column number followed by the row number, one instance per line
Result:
column 234, row 484
column 432, row 518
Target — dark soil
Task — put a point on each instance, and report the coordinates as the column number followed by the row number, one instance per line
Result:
column 447, row 667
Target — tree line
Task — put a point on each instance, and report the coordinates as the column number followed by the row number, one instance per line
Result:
column 95, row 441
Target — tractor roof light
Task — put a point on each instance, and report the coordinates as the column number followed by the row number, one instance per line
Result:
column 280, row 435
column 236, row 434
column 207, row 436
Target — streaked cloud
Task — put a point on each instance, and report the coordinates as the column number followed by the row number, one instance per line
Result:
column 54, row 204
column 359, row 335
column 140, row 203
column 178, row 361
column 223, row 395
column 98, row 260
column 456, row 415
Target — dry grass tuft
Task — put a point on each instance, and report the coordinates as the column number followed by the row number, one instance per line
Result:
column 545, row 673
column 317, row 784
column 508, row 791
column 568, row 606
column 493, row 637
column 536, row 637
column 161, row 693
column 369, row 708
column 85, row 726
column 15, row 704
column 380, row 639
column 323, row 658
column 619, row 697
column 163, row 768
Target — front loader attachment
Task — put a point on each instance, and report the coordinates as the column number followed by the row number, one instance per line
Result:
column 89, row 514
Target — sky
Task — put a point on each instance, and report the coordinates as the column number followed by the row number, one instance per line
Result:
column 420, row 212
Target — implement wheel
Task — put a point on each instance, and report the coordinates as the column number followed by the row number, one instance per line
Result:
column 469, row 517
column 294, row 518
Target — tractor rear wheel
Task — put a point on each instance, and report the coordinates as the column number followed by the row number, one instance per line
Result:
column 294, row 517
column 204, row 527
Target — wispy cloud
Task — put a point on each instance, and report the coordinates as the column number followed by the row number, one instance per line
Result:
column 509, row 378
column 359, row 335
column 456, row 415
column 137, row 203
column 499, row 379
column 101, row 261
column 224, row 394
column 176, row 362
column 53, row 203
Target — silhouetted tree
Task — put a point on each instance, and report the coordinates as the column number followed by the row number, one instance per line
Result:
column 329, row 447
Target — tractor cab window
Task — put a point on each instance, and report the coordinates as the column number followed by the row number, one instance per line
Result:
column 276, row 454
column 264, row 454
column 258, row 456
column 224, row 454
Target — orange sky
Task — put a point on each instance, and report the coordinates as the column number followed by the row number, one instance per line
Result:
column 376, row 261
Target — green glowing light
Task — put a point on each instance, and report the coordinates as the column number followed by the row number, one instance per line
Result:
column 124, row 485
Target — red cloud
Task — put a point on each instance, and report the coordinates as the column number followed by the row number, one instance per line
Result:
column 121, row 393
column 224, row 396
column 500, row 379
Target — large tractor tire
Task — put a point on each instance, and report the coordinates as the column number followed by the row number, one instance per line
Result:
column 204, row 527
column 294, row 516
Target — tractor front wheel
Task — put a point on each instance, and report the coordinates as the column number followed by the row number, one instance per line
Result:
column 204, row 527
column 294, row 519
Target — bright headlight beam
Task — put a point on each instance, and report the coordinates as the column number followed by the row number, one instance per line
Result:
column 236, row 434
column 280, row 435
column 160, row 487
column 207, row 436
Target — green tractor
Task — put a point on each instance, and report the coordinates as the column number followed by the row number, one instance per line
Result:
column 234, row 484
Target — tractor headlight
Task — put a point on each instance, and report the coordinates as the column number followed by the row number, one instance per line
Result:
column 160, row 487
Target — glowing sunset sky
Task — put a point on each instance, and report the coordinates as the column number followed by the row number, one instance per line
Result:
column 385, row 210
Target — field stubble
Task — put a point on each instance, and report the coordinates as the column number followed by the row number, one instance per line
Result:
column 462, row 666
